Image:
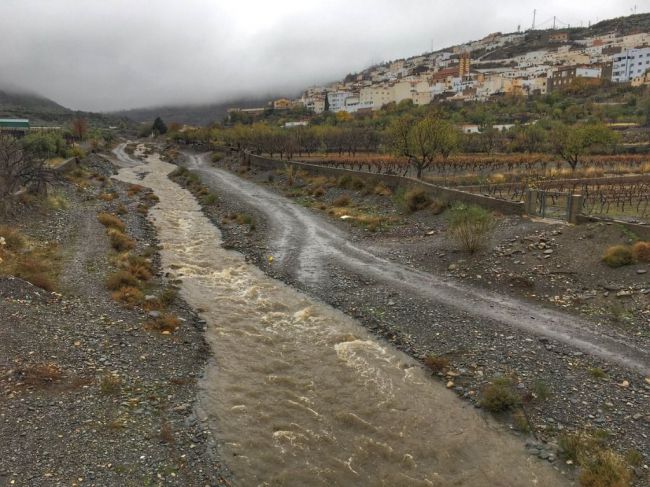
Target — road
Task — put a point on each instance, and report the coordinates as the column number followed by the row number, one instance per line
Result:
column 305, row 242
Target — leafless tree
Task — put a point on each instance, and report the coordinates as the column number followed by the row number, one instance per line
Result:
column 18, row 169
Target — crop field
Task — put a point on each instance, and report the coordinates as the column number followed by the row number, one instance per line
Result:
column 614, row 186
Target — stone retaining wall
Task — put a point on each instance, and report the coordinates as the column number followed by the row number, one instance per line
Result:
column 393, row 182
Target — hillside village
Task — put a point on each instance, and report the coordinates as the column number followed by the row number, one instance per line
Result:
column 520, row 63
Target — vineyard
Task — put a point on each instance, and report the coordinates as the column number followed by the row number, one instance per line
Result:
column 613, row 186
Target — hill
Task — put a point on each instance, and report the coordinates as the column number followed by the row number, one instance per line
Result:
column 42, row 111
column 204, row 114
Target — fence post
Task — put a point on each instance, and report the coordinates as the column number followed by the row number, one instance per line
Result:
column 575, row 207
column 531, row 201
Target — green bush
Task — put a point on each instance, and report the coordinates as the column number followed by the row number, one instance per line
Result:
column 500, row 396
column 618, row 256
column 470, row 225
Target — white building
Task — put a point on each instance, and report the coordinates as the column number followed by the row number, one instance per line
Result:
column 336, row 100
column 630, row 64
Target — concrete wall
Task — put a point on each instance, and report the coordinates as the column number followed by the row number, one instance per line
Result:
column 642, row 231
column 439, row 192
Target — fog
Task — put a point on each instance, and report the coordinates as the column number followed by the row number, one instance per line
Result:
column 120, row 54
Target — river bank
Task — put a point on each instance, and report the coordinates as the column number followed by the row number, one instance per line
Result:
column 90, row 396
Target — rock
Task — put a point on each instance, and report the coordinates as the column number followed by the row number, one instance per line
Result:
column 548, row 251
column 641, row 271
column 150, row 297
column 624, row 293
column 154, row 314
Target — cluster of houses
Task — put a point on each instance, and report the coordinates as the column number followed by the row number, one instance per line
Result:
column 495, row 65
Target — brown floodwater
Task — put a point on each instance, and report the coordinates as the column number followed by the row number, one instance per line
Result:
column 299, row 394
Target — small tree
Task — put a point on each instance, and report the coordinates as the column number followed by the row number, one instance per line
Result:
column 19, row 168
column 159, row 126
column 79, row 128
column 420, row 141
column 574, row 141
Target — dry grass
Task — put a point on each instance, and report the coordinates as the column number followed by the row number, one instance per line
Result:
column 128, row 295
column 120, row 279
column 166, row 323
column 168, row 295
column 37, row 266
column 343, row 200
column 641, row 252
column 120, row 241
column 417, row 199
column 382, row 190
column 618, row 256
column 166, row 433
column 606, row 469
column 39, row 374
column 107, row 196
column 435, row 363
column 13, row 239
column 111, row 221
column 134, row 189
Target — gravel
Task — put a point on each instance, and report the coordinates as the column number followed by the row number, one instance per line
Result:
column 117, row 404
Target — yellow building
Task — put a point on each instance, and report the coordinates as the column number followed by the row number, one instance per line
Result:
column 464, row 64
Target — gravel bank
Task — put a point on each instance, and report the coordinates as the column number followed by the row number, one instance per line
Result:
column 89, row 396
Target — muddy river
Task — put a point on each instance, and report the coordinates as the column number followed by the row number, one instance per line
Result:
column 299, row 394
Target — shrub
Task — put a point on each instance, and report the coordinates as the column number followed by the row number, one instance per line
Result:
column 168, row 295
column 436, row 364
column 217, row 156
column 111, row 221
column 318, row 192
column 500, row 396
column 119, row 241
column 357, row 184
column 131, row 296
column 541, row 390
column 14, row 240
column 343, row 200
column 521, row 421
column 382, row 190
column 209, row 199
column 139, row 267
column 618, row 256
column 110, row 384
column 121, row 279
column 597, row 373
column 165, row 323
column 417, row 199
column 122, row 210
column 605, row 469
column 470, row 226
column 641, row 251
column 107, row 196
column 39, row 374
column 36, row 269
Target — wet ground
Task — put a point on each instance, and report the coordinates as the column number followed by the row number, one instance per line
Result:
column 301, row 394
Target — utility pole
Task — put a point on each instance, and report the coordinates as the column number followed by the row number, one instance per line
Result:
column 554, row 22
column 534, row 14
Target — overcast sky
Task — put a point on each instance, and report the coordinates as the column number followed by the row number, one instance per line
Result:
column 116, row 54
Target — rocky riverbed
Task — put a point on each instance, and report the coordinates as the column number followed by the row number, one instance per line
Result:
column 89, row 395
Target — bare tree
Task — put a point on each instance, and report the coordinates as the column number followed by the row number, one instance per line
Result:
column 18, row 169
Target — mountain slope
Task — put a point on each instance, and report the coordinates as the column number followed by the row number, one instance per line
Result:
column 42, row 111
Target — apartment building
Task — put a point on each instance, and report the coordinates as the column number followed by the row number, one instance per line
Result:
column 630, row 63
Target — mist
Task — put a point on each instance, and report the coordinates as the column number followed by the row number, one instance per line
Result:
column 119, row 54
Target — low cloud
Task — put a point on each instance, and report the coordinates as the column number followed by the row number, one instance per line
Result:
column 118, row 54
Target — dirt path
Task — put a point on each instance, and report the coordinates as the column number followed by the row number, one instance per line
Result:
column 305, row 244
